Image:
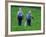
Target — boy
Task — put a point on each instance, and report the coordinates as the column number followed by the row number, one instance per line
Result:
column 28, row 18
column 20, row 16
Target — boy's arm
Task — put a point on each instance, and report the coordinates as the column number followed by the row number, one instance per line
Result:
column 32, row 16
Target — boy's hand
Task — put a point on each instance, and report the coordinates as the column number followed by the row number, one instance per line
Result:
column 32, row 17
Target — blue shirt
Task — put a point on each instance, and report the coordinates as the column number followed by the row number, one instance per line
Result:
column 20, row 14
column 28, row 16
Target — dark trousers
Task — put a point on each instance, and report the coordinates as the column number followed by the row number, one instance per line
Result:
column 19, row 20
column 28, row 22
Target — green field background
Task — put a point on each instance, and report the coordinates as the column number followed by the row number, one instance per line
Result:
column 35, row 24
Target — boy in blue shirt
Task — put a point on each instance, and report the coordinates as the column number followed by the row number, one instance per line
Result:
column 20, row 16
column 28, row 18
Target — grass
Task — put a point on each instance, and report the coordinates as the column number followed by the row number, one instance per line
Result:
column 36, row 22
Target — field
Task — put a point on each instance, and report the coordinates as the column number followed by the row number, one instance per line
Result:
column 35, row 24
